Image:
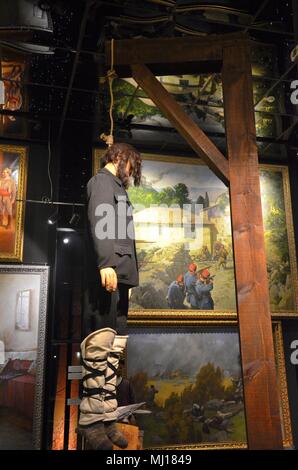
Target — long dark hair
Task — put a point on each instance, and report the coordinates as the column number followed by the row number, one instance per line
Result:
column 124, row 153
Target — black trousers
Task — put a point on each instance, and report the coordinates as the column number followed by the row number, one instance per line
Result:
column 104, row 309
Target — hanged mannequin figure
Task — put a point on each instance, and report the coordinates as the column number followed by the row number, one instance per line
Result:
column 112, row 270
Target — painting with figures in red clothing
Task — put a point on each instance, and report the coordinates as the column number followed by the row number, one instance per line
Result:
column 13, row 175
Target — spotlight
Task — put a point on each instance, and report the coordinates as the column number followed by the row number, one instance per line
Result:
column 75, row 217
column 53, row 219
column 25, row 20
column 294, row 53
column 65, row 241
column 74, row 220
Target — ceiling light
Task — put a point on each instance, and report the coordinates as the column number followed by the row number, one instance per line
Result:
column 53, row 219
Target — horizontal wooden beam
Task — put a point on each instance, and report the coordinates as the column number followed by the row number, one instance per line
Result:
column 183, row 68
column 196, row 138
column 257, row 350
column 166, row 52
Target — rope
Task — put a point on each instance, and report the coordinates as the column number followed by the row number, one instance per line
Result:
column 111, row 75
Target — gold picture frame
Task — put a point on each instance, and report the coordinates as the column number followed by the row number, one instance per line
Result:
column 165, row 326
column 15, row 158
column 284, row 170
column 222, row 314
column 23, row 399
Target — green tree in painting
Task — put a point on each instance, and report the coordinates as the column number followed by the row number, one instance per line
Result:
column 175, row 195
column 174, row 421
column 144, row 196
column 187, row 396
column 276, row 223
column 209, row 384
column 223, row 200
column 124, row 103
column 169, row 195
column 180, row 426
column 201, row 201
column 276, row 241
column 181, row 194
column 139, row 383
column 275, row 220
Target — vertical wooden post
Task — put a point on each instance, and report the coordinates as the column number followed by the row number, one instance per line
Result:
column 257, row 350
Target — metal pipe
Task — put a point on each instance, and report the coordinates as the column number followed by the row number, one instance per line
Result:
column 51, row 203
column 74, row 67
column 258, row 12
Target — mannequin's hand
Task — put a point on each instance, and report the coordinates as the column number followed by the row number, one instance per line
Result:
column 129, row 293
column 108, row 279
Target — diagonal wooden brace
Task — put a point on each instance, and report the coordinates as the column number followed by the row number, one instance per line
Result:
column 195, row 137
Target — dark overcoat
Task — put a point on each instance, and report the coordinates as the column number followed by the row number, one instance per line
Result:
column 111, row 232
column 109, row 210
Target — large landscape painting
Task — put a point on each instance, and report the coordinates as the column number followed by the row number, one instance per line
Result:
column 165, row 253
column 184, row 241
column 191, row 381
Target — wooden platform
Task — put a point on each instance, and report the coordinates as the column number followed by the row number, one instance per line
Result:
column 132, row 434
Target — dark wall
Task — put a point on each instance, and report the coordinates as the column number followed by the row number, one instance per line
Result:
column 37, row 230
column 66, row 296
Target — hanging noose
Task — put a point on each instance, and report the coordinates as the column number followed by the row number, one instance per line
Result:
column 111, row 75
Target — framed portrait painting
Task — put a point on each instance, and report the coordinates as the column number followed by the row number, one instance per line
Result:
column 13, row 181
column 14, row 72
column 184, row 240
column 23, row 312
column 189, row 377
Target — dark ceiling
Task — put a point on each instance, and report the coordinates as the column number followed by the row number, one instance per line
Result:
column 63, row 87
column 65, row 107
